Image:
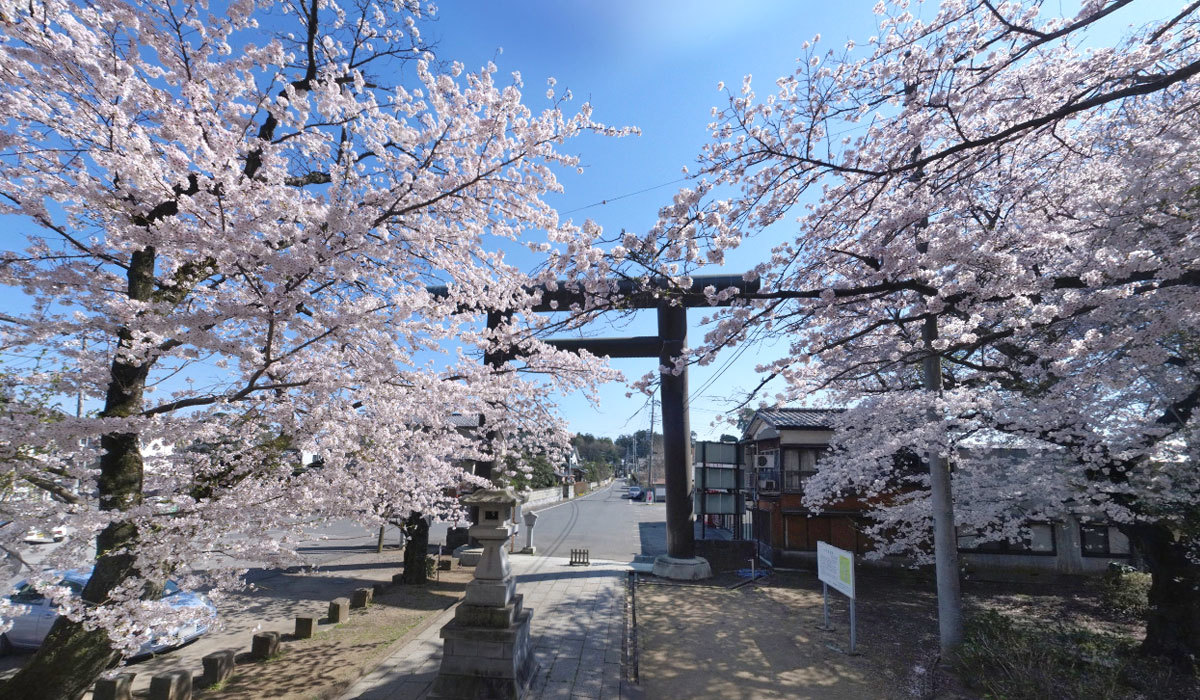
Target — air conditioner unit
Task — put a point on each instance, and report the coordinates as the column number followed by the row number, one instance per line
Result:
column 768, row 485
column 767, row 460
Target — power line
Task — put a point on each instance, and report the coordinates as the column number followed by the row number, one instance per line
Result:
column 623, row 196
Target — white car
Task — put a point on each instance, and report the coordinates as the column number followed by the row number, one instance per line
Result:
column 56, row 534
column 30, row 629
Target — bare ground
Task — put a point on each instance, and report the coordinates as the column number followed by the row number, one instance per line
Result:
column 765, row 640
column 329, row 663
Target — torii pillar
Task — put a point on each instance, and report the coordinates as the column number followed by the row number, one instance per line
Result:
column 680, row 562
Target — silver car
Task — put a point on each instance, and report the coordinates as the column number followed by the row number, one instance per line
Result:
column 30, row 629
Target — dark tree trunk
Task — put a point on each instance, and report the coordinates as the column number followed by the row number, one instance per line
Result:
column 1173, row 621
column 416, row 529
column 71, row 658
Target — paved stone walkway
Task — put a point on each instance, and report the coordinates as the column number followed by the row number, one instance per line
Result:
column 577, row 630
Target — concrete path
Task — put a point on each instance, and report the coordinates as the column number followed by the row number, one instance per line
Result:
column 577, row 630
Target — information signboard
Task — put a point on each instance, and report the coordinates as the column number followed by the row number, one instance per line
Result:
column 836, row 568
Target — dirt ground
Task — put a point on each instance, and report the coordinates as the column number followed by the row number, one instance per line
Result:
column 764, row 640
column 325, row 665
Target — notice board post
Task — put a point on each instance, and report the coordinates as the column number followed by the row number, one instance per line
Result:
column 835, row 567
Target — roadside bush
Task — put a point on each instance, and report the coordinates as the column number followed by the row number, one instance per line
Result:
column 1008, row 659
column 1126, row 593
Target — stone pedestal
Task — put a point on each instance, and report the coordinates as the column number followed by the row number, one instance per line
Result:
column 470, row 556
column 693, row 569
column 487, row 651
column 482, row 659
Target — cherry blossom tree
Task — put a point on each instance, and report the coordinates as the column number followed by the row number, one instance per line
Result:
column 231, row 214
column 996, row 247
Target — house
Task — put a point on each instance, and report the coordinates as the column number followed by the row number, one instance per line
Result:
column 783, row 447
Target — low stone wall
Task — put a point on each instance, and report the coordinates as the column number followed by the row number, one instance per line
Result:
column 539, row 497
column 554, row 494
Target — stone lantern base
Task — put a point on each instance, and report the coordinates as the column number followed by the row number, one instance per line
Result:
column 487, row 653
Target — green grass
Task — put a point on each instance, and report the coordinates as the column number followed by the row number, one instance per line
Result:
column 1012, row 659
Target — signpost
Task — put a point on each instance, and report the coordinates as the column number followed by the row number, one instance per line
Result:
column 835, row 567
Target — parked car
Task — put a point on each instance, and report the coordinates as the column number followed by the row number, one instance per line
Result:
column 58, row 533
column 635, row 493
column 30, row 629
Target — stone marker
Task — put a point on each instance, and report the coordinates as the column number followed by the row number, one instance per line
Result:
column 306, row 626
column 530, row 519
column 398, row 578
column 217, row 667
column 118, row 688
column 378, row 589
column 339, row 610
column 171, row 685
column 265, row 646
column 361, row 597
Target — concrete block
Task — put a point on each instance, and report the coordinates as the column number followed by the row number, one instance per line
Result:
column 361, row 597
column 217, row 667
column 378, row 589
column 119, row 688
column 339, row 610
column 171, row 685
column 398, row 578
column 306, row 626
column 265, row 646
column 470, row 556
column 693, row 569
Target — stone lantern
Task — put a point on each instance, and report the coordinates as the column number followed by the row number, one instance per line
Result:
column 487, row 652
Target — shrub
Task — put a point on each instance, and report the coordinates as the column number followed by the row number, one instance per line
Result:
column 1008, row 659
column 1126, row 593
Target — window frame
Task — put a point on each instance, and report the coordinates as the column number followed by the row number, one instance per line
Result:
column 1006, row 547
column 800, row 474
column 1108, row 552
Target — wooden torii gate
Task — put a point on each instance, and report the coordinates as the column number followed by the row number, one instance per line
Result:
column 672, row 305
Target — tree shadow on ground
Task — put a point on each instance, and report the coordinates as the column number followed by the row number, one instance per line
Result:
column 326, row 664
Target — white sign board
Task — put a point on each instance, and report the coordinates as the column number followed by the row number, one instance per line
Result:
column 836, row 568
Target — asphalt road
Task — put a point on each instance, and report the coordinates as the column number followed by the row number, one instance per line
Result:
column 606, row 523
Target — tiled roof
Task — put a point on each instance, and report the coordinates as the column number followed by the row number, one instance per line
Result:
column 799, row 417
column 460, row 421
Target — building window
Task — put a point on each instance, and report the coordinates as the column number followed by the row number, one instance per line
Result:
column 1102, row 540
column 791, row 471
column 798, row 465
column 1040, row 540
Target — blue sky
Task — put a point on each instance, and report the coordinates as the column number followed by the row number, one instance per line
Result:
column 654, row 65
